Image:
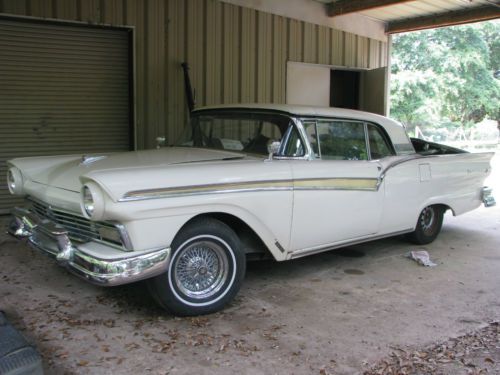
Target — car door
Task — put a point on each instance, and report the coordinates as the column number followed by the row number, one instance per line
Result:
column 337, row 196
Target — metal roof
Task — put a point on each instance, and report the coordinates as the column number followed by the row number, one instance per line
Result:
column 419, row 8
column 396, row 12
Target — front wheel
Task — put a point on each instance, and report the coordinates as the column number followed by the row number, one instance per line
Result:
column 429, row 225
column 205, row 272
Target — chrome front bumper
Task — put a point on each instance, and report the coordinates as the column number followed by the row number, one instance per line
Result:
column 53, row 239
column 487, row 197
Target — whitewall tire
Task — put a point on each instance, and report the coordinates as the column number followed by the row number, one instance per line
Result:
column 205, row 272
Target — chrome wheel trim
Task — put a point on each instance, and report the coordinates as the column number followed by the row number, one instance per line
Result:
column 428, row 220
column 215, row 287
column 201, row 269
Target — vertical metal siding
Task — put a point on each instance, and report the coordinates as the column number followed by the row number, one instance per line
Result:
column 324, row 43
column 90, row 10
column 176, row 104
column 309, row 43
column 196, row 45
column 362, row 52
column 248, row 47
column 264, row 57
column 230, row 55
column 153, row 75
column 336, row 47
column 280, row 38
column 374, row 53
column 112, row 12
column 42, row 8
column 64, row 9
column 295, row 41
column 235, row 54
column 213, row 59
column 350, row 57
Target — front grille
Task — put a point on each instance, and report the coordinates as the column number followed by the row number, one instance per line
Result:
column 79, row 228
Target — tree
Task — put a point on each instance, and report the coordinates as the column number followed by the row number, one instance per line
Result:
column 446, row 75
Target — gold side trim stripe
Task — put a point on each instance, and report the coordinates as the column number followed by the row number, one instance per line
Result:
column 370, row 184
column 337, row 184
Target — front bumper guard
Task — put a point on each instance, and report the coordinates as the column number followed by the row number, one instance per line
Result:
column 54, row 240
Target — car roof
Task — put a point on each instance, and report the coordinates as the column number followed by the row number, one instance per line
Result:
column 306, row 111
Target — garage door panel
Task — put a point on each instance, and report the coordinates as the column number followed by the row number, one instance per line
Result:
column 70, row 34
column 65, row 90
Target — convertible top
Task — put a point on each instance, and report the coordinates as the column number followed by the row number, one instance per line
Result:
column 395, row 130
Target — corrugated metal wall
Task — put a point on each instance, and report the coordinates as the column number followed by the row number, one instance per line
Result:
column 236, row 54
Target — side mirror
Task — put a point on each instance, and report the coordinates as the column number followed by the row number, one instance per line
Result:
column 273, row 148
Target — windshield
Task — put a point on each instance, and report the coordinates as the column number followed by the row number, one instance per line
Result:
column 235, row 131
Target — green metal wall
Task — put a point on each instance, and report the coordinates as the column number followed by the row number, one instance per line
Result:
column 236, row 54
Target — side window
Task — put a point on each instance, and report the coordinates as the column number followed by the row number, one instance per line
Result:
column 310, row 128
column 341, row 140
column 379, row 148
column 294, row 146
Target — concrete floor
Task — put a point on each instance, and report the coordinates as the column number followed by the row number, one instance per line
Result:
column 336, row 312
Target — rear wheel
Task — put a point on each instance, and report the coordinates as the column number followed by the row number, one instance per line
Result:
column 429, row 225
column 205, row 272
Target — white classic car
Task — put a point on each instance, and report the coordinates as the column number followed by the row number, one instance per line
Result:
column 247, row 181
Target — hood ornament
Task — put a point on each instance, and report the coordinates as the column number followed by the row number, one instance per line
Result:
column 89, row 159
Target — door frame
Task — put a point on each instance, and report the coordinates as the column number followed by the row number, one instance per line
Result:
column 345, row 68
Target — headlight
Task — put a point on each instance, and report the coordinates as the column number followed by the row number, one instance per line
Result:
column 15, row 181
column 92, row 201
column 88, row 201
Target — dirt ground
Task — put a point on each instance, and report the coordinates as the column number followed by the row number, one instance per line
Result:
column 349, row 311
column 475, row 353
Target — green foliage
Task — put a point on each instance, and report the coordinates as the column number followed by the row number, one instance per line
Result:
column 446, row 75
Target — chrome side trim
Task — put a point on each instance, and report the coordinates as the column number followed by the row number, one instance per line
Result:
column 53, row 239
column 126, row 240
column 354, row 183
column 302, row 253
column 179, row 191
column 395, row 163
column 404, row 160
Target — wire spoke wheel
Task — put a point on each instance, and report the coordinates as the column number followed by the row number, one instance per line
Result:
column 205, row 271
column 201, row 269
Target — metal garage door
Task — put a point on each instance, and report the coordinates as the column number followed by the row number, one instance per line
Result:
column 64, row 89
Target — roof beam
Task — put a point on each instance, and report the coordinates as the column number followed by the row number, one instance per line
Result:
column 458, row 17
column 341, row 7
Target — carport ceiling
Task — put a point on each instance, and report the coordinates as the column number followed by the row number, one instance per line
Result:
column 410, row 15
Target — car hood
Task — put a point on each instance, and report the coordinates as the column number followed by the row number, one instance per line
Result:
column 65, row 172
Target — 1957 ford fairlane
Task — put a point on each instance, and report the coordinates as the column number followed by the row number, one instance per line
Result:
column 246, row 181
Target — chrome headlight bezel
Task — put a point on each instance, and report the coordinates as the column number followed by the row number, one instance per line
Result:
column 15, row 181
column 92, row 201
column 87, row 201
